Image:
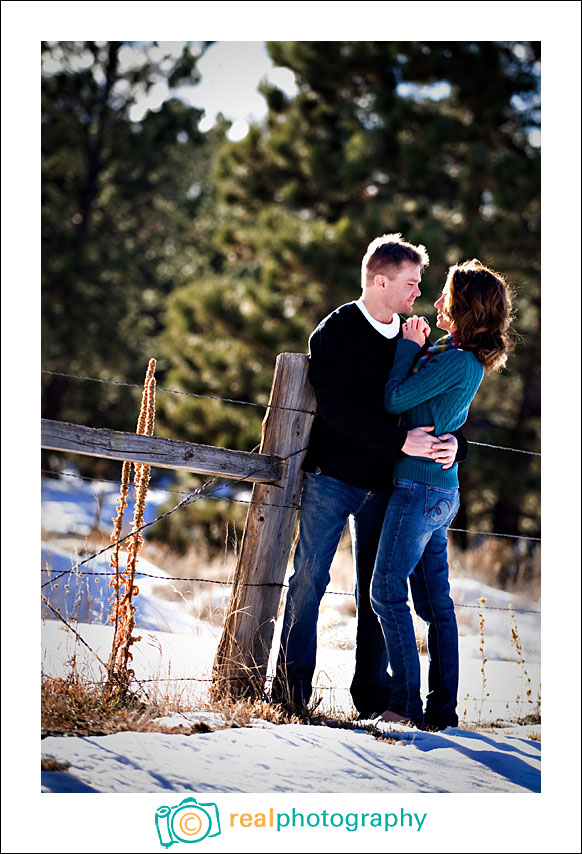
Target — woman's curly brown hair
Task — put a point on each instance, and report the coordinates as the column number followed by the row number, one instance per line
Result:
column 478, row 301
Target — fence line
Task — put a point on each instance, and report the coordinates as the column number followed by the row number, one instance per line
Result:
column 517, row 700
column 262, row 584
column 493, row 534
column 198, row 494
column 316, row 687
column 268, row 678
column 75, row 632
column 182, row 492
column 191, row 498
column 503, row 448
column 267, row 504
column 182, row 503
column 244, row 403
column 175, row 391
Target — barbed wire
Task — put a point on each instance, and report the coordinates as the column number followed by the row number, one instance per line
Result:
column 269, row 678
column 197, row 495
column 215, row 497
column 182, row 503
column 493, row 534
column 176, row 391
column 281, row 584
column 517, row 700
column 59, row 616
column 503, row 448
column 190, row 498
column 268, row 504
column 244, row 403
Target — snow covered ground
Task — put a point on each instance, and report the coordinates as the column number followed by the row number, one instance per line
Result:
column 296, row 758
column 290, row 758
column 71, row 505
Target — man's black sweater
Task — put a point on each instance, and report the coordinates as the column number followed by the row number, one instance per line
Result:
column 353, row 438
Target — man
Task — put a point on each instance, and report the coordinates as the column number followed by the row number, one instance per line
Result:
column 348, row 469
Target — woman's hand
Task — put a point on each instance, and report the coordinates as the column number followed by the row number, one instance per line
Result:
column 416, row 329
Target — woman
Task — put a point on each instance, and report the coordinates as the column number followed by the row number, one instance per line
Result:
column 475, row 310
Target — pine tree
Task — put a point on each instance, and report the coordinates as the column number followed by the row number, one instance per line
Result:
column 434, row 140
column 119, row 197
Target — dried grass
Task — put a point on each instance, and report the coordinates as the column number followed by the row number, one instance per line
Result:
column 49, row 763
column 512, row 565
column 205, row 600
column 72, row 706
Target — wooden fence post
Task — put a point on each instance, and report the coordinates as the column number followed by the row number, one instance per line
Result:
column 243, row 651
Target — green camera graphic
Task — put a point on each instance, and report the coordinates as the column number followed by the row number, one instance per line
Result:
column 188, row 821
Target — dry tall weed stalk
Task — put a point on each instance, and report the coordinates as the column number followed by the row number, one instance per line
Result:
column 123, row 582
column 484, row 692
column 520, row 658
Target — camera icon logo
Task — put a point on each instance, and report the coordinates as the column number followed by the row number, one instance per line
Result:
column 188, row 821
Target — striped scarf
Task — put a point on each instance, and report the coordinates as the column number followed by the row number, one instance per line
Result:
column 447, row 342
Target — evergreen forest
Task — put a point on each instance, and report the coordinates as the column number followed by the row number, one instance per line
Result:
column 213, row 256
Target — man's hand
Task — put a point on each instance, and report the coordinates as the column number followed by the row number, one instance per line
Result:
column 442, row 450
column 445, row 450
column 419, row 443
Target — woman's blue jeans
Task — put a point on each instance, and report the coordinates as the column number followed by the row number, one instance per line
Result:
column 414, row 537
column 326, row 505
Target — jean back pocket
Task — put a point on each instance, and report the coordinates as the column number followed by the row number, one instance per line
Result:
column 441, row 505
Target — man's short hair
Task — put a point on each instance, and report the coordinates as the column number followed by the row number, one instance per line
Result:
column 387, row 252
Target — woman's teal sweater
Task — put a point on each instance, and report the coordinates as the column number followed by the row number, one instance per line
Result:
column 439, row 394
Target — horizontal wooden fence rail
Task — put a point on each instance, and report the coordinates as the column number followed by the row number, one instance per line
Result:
column 164, row 453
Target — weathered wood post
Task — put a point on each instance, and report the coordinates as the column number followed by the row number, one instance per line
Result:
column 243, row 652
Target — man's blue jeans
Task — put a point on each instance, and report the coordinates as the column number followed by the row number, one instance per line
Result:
column 326, row 506
column 415, row 532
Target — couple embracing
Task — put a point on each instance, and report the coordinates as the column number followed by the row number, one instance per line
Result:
column 383, row 454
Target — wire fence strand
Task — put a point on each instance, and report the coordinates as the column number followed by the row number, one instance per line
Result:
column 132, row 533
column 281, row 585
column 215, row 497
column 176, row 391
column 243, row 403
column 494, row 534
column 268, row 504
column 196, row 495
column 59, row 616
column 269, row 678
column 190, row 498
column 503, row 448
